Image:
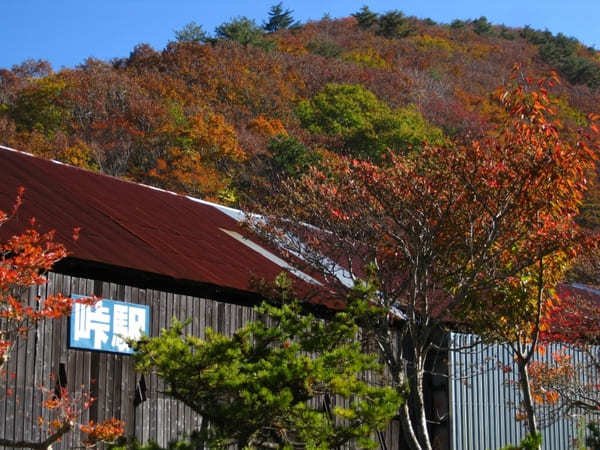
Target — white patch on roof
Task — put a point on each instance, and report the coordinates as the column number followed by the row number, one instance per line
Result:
column 154, row 188
column 584, row 287
column 344, row 276
column 235, row 214
column 30, row 154
column 271, row 256
column 10, row 149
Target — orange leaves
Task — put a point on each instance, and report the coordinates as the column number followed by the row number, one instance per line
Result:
column 107, row 431
column 198, row 154
column 214, row 138
column 66, row 409
column 24, row 260
column 267, row 127
column 187, row 171
column 549, row 379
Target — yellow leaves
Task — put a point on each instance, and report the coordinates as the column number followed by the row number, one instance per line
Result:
column 188, row 171
column 198, row 152
column 79, row 154
column 367, row 58
column 427, row 42
column 289, row 43
column 211, row 135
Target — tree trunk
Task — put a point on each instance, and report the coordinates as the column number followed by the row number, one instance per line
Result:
column 413, row 414
column 45, row 445
column 408, row 432
column 417, row 399
column 527, row 399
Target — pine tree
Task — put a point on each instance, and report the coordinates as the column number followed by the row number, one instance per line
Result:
column 192, row 32
column 262, row 385
column 365, row 17
column 279, row 19
column 242, row 30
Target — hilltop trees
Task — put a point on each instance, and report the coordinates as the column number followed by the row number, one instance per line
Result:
column 365, row 17
column 243, row 31
column 279, row 19
column 464, row 230
column 191, row 32
column 113, row 116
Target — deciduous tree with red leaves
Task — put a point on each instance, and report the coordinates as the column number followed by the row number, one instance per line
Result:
column 475, row 232
column 568, row 385
column 24, row 261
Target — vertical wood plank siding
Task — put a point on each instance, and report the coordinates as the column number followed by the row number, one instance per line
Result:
column 110, row 378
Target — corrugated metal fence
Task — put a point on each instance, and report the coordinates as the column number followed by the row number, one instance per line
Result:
column 484, row 394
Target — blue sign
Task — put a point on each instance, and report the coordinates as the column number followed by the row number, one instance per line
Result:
column 106, row 325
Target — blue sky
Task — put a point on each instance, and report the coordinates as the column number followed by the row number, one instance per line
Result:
column 65, row 32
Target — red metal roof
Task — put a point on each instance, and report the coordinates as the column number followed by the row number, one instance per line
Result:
column 577, row 291
column 125, row 224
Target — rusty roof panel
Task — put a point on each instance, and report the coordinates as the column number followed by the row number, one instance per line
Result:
column 125, row 224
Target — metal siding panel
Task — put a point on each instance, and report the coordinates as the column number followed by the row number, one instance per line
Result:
column 481, row 415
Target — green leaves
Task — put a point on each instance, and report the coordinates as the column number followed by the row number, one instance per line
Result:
column 366, row 125
column 244, row 31
column 254, row 386
column 279, row 19
column 191, row 32
column 291, row 157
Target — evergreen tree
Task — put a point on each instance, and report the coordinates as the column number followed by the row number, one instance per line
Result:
column 279, row 19
column 394, row 24
column 244, row 31
column 274, row 382
column 365, row 17
column 290, row 157
column 192, row 32
column 481, row 26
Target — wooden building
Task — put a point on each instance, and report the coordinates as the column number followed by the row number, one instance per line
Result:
column 179, row 257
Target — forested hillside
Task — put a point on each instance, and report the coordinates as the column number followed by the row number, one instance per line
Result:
column 218, row 116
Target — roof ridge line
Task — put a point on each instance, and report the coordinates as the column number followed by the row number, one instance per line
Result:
column 147, row 186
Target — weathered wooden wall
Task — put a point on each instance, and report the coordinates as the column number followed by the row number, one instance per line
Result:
column 109, row 377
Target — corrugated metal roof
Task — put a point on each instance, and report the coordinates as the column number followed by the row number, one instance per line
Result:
column 129, row 225
column 578, row 291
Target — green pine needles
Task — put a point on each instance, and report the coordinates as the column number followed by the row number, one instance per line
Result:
column 269, row 385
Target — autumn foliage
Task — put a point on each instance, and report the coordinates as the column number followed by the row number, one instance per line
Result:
column 143, row 117
column 24, row 261
column 477, row 231
column 444, row 194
